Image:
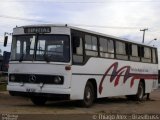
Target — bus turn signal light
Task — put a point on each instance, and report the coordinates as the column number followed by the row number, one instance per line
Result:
column 68, row 67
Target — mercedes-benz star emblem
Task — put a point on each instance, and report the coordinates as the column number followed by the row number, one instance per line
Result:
column 32, row 78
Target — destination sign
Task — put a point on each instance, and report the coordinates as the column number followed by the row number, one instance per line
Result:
column 37, row 30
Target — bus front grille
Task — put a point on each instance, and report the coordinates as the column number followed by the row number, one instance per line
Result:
column 35, row 79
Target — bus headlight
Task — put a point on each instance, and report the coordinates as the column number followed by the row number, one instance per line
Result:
column 12, row 78
column 58, row 80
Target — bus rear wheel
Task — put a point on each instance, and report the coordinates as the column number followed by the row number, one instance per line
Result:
column 88, row 98
column 140, row 92
column 40, row 101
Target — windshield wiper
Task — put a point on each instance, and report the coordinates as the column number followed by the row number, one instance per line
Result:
column 21, row 58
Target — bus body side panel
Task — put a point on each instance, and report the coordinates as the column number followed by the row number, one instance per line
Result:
column 113, row 77
column 77, row 87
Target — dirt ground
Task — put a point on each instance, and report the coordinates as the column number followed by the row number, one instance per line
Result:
column 116, row 105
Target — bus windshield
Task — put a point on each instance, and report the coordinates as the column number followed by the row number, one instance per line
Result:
column 50, row 48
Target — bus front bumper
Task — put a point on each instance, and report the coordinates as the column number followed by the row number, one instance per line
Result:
column 44, row 92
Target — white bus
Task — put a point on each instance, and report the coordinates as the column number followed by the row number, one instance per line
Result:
column 60, row 61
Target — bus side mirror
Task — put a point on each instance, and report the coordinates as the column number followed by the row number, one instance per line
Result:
column 76, row 41
column 5, row 41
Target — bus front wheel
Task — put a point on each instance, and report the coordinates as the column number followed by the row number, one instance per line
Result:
column 38, row 101
column 88, row 98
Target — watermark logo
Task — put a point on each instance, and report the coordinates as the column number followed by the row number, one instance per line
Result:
column 9, row 117
column 126, row 117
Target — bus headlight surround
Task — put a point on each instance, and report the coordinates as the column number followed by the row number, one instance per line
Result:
column 58, row 80
column 12, row 78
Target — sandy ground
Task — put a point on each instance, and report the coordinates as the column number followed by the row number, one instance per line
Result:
column 117, row 105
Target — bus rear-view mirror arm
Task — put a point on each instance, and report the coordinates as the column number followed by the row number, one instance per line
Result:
column 5, row 41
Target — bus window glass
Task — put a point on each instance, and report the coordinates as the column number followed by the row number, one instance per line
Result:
column 134, row 50
column 14, row 48
column 120, row 48
column 106, row 48
column 154, row 56
column 110, row 46
column 91, row 45
column 53, row 48
column 58, row 49
column 134, row 56
column 78, row 53
column 79, row 50
column 103, row 45
column 40, row 49
column 32, row 43
column 146, row 54
column 49, row 48
column 24, row 47
column 88, row 44
column 94, row 43
column 18, row 47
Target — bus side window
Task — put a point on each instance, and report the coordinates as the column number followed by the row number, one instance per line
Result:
column 91, row 45
column 106, row 48
column 154, row 60
column 146, row 54
column 77, row 49
column 134, row 55
column 121, row 50
column 111, row 48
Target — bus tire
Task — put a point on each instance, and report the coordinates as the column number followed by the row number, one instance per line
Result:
column 130, row 97
column 140, row 92
column 88, row 98
column 39, row 101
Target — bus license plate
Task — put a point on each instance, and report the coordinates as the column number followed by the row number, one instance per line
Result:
column 30, row 90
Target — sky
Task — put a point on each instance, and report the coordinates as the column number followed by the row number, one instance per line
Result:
column 120, row 18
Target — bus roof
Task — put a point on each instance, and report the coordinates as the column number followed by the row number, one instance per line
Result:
column 85, row 30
